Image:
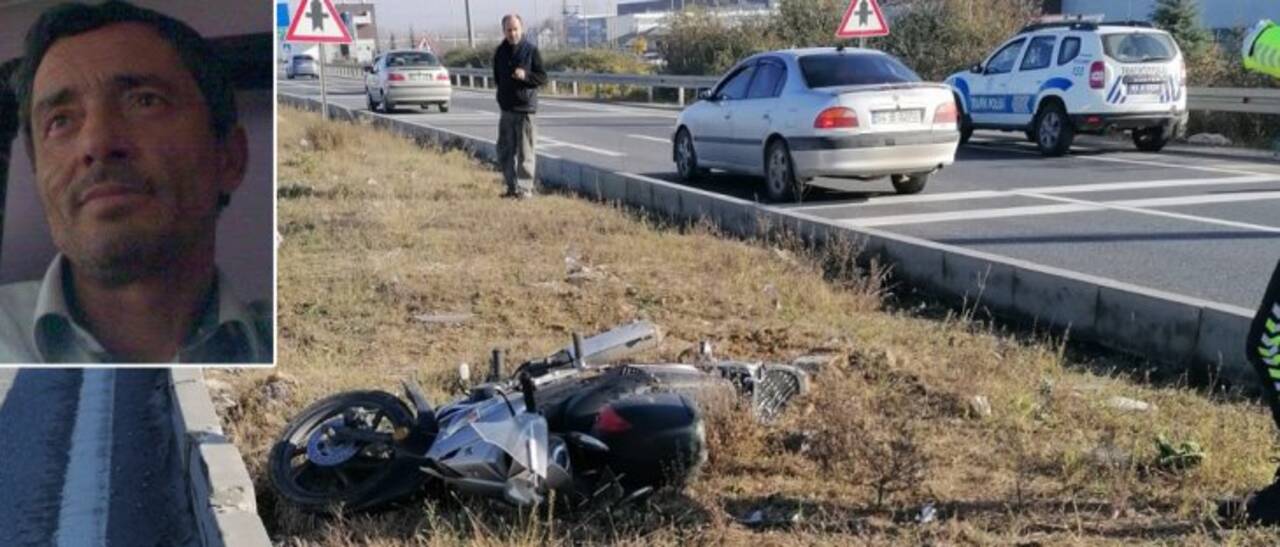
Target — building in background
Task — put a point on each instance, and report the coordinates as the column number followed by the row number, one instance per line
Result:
column 1215, row 15
column 361, row 23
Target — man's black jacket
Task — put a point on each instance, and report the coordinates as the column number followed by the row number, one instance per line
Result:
column 517, row 95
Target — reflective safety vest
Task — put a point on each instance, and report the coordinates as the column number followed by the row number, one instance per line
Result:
column 1261, row 49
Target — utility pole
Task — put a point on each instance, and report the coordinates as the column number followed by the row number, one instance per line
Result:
column 471, row 38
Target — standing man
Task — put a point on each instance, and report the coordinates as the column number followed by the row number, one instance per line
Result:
column 517, row 69
column 130, row 122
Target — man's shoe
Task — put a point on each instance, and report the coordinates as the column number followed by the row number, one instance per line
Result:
column 1260, row 508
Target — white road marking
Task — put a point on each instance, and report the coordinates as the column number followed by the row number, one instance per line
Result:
column 1027, row 191
column 1070, row 205
column 86, row 490
column 648, row 138
column 1151, row 163
column 1140, row 206
column 555, row 143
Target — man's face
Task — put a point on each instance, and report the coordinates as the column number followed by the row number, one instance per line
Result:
column 126, row 162
column 513, row 30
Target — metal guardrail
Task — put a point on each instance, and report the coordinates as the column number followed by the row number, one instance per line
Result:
column 1234, row 99
column 573, row 79
column 1212, row 99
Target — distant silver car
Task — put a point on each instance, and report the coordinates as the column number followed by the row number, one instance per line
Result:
column 407, row 76
column 300, row 65
column 793, row 115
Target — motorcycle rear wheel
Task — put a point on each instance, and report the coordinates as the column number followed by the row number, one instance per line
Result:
column 369, row 472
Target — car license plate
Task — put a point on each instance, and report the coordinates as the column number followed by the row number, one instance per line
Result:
column 888, row 117
column 1146, row 89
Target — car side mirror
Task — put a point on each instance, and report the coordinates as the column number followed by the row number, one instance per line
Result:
column 368, row 69
column 976, row 69
column 705, row 95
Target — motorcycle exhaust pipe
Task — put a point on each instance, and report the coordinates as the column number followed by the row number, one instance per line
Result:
column 615, row 344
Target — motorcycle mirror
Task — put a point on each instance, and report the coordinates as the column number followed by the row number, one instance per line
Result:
column 495, row 366
column 704, row 350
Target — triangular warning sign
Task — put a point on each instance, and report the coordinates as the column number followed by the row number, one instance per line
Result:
column 317, row 21
column 863, row 19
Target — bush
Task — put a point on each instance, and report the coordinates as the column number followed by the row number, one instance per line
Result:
column 700, row 43
column 480, row 56
column 938, row 37
column 606, row 61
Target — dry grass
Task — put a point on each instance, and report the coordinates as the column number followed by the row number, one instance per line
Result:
column 378, row 232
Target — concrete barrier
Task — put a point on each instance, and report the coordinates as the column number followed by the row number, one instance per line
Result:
column 219, row 489
column 1180, row 334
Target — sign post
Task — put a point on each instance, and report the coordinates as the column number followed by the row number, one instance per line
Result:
column 863, row 19
column 323, row 26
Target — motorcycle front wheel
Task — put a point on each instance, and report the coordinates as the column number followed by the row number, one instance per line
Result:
column 340, row 453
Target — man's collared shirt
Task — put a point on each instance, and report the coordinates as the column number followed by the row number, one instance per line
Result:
column 38, row 326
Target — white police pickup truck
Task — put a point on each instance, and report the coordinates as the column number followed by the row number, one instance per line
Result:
column 1055, row 79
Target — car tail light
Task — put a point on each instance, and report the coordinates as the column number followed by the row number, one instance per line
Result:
column 1098, row 75
column 442, row 76
column 835, row 117
column 395, row 77
column 609, row 422
column 946, row 113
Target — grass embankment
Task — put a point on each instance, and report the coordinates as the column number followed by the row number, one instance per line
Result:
column 378, row 232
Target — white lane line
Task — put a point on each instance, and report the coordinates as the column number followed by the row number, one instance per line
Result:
column 975, row 214
column 1071, row 205
column 86, row 490
column 1139, row 206
column 653, row 139
column 1150, row 163
column 556, row 143
column 1028, row 191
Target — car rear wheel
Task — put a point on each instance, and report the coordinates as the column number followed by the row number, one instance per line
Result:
column 687, row 157
column 780, row 182
column 909, row 184
column 1150, row 139
column 1053, row 130
column 444, row 107
column 373, row 106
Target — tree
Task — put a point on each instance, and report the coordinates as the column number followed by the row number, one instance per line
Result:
column 1181, row 19
column 938, row 37
column 392, row 42
column 413, row 40
column 802, row 23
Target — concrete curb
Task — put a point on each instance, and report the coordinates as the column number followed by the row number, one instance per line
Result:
column 219, row 488
column 1177, row 333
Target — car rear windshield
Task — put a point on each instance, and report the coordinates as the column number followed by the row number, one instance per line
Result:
column 303, row 58
column 1139, row 47
column 837, row 69
column 412, row 59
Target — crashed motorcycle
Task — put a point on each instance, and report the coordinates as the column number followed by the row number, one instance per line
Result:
column 577, row 423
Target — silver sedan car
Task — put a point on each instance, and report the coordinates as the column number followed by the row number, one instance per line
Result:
column 794, row 115
column 407, row 77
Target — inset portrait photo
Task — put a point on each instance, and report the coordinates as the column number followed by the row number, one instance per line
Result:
column 136, row 161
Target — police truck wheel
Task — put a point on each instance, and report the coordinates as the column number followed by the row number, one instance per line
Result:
column 1053, row 130
column 966, row 129
column 1150, row 139
column 909, row 184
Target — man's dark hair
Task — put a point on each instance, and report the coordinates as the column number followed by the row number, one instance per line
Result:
column 197, row 54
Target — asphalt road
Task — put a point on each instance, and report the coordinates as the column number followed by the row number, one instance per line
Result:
column 1192, row 222
column 86, row 459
